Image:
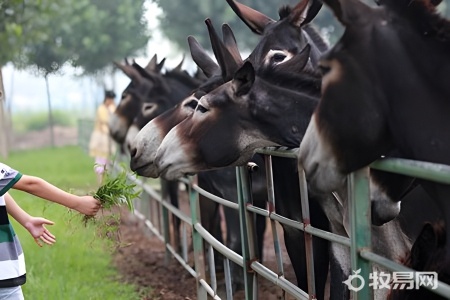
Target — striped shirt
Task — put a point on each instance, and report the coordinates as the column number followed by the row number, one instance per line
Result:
column 12, row 261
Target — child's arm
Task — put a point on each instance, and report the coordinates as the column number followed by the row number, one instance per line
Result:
column 33, row 224
column 87, row 205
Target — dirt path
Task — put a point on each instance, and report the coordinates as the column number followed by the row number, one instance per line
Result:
column 142, row 263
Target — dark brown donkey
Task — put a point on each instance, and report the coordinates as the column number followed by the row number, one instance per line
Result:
column 384, row 89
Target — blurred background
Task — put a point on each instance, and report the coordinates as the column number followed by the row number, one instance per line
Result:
column 56, row 55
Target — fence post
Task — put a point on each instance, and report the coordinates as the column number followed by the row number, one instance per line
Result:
column 241, row 178
column 271, row 209
column 165, row 220
column 197, row 240
column 360, row 224
column 306, row 219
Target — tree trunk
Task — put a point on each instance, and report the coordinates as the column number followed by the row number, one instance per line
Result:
column 50, row 113
column 3, row 121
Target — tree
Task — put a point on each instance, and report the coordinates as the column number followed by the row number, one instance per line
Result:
column 44, row 35
column 12, row 35
column 3, row 122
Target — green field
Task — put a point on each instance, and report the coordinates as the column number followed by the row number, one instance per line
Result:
column 79, row 265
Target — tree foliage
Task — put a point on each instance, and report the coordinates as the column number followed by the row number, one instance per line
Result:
column 183, row 18
column 86, row 33
column 117, row 29
column 15, row 18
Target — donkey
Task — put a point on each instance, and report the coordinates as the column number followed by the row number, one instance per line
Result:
column 379, row 94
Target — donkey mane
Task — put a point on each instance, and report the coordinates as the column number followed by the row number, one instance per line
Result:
column 183, row 77
column 210, row 84
column 423, row 15
column 284, row 11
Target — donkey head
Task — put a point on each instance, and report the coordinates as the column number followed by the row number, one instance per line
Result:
column 284, row 38
column 129, row 105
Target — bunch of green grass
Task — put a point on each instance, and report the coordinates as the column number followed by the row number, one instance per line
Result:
column 115, row 191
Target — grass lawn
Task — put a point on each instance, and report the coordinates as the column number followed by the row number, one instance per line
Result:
column 79, row 265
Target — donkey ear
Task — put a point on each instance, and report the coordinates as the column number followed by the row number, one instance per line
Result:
column 312, row 11
column 160, row 65
column 202, row 59
column 178, row 68
column 349, row 11
column 297, row 63
column 230, row 43
column 152, row 64
column 152, row 76
column 255, row 20
column 298, row 13
column 130, row 71
column 301, row 59
column 226, row 61
column 243, row 79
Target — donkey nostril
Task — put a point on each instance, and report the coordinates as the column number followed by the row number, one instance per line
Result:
column 133, row 150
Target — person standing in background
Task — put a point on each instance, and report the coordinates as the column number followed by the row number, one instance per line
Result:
column 101, row 145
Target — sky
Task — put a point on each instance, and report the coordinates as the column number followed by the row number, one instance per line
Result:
column 25, row 91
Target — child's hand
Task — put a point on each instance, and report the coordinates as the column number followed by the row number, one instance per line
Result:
column 88, row 205
column 38, row 231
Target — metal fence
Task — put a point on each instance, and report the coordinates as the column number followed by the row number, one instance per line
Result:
column 155, row 210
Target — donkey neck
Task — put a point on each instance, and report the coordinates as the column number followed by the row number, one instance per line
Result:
column 283, row 108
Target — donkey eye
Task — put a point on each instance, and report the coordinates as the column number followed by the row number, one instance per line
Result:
column 324, row 69
column 278, row 57
column 192, row 104
column 201, row 108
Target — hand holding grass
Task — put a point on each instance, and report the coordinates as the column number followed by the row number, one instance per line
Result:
column 87, row 205
column 116, row 191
